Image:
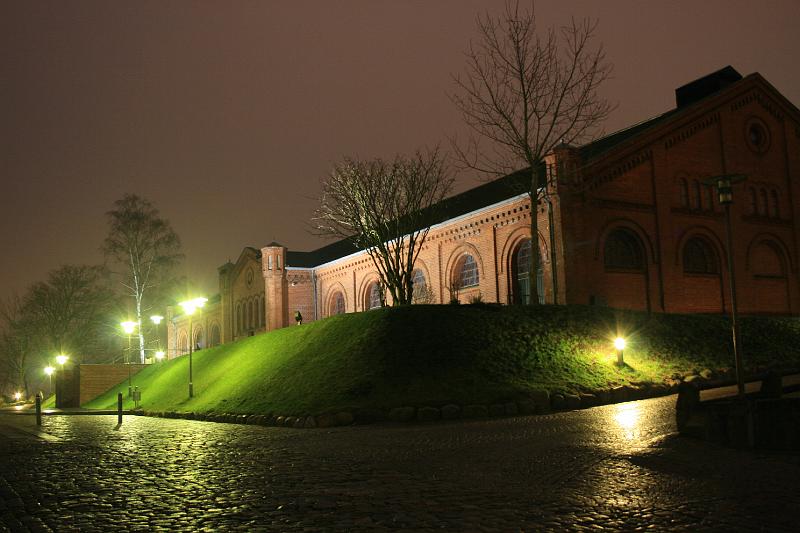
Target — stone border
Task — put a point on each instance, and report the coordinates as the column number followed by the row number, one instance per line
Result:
column 537, row 403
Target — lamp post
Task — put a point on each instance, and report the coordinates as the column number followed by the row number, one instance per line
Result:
column 724, row 186
column 619, row 344
column 128, row 327
column 49, row 371
column 156, row 319
column 189, row 307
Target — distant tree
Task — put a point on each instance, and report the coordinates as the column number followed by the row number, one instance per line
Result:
column 143, row 250
column 525, row 94
column 386, row 208
column 15, row 346
column 68, row 313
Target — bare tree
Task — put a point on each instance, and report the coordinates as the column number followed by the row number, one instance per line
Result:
column 525, row 94
column 385, row 208
column 15, row 345
column 145, row 249
column 68, row 312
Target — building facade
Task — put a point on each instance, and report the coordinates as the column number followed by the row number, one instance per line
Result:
column 630, row 221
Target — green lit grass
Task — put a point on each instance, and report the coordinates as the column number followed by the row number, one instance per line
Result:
column 431, row 355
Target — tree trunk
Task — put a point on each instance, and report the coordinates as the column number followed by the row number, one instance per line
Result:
column 533, row 275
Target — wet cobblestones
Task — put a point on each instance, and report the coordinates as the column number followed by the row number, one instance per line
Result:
column 616, row 467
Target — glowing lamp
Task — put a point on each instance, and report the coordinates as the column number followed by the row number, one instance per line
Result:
column 17, row 396
column 619, row 344
column 128, row 326
column 156, row 319
column 160, row 355
column 61, row 359
column 49, row 370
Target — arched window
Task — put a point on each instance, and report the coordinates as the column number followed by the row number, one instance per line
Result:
column 373, row 295
column 521, row 269
column 420, row 288
column 215, row 337
column 269, row 262
column 767, row 260
column 698, row 197
column 466, row 271
column 709, row 190
column 775, row 211
column 250, row 314
column 199, row 339
column 238, row 327
column 183, row 343
column 699, row 257
column 337, row 304
column 753, row 201
column 263, row 310
column 684, row 191
column 763, row 207
column 623, row 251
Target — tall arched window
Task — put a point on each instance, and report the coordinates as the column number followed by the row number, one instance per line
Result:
column 775, row 211
column 374, row 295
column 684, row 192
column 709, row 190
column 699, row 257
column 238, row 327
column 199, row 338
column 763, row 209
column 466, row 271
column 698, row 196
column 520, row 272
column 623, row 251
column 337, row 304
column 420, row 287
column 183, row 343
column 753, row 201
column 249, row 324
column 215, row 337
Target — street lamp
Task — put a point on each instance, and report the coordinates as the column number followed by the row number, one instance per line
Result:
column 189, row 307
column 156, row 319
column 160, row 355
column 61, row 359
column 128, row 327
column 17, row 396
column 49, row 371
column 619, row 344
column 724, row 186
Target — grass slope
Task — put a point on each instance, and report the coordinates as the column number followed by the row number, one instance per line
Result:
column 431, row 355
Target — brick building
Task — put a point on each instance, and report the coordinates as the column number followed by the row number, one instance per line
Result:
column 630, row 223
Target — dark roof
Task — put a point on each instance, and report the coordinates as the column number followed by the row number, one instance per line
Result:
column 685, row 95
column 483, row 195
column 709, row 84
column 603, row 144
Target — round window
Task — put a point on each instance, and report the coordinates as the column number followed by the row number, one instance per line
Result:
column 757, row 135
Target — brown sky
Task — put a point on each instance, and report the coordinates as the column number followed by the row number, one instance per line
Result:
column 227, row 114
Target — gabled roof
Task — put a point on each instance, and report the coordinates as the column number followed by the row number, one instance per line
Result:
column 691, row 99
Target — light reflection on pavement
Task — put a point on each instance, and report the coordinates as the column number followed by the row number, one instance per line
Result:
column 613, row 467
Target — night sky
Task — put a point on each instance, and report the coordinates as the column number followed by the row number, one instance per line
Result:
column 227, row 115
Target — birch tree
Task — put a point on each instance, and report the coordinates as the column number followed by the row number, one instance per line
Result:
column 523, row 93
column 142, row 249
column 386, row 208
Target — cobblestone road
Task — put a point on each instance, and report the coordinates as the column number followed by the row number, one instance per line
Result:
column 616, row 467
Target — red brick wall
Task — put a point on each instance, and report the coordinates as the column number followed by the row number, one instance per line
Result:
column 97, row 379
